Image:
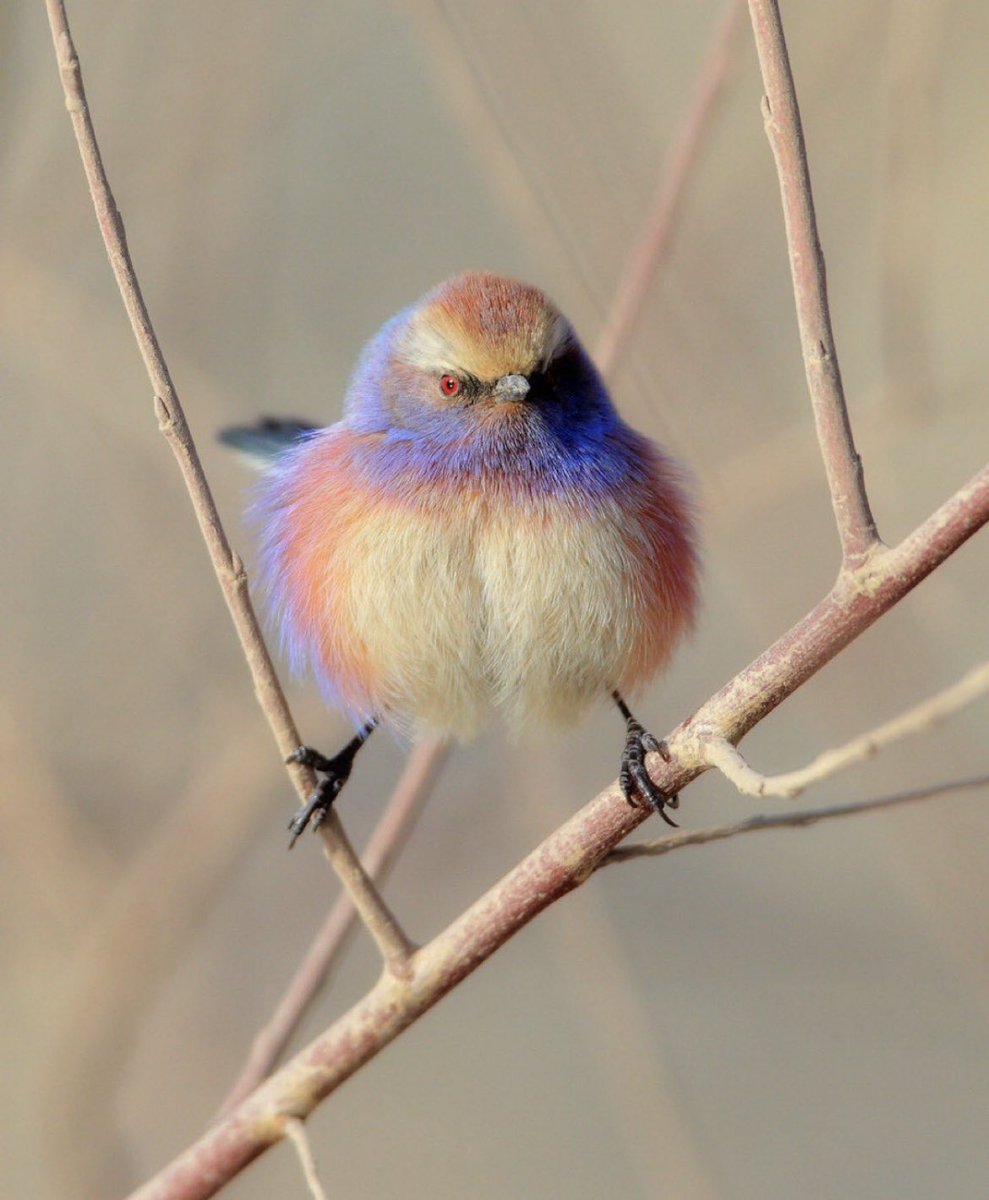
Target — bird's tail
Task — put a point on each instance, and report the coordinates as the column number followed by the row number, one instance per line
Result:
column 259, row 444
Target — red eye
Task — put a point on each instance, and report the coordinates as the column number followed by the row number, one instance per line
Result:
column 449, row 385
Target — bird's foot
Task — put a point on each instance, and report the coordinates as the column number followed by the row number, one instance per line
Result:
column 308, row 756
column 635, row 781
column 335, row 772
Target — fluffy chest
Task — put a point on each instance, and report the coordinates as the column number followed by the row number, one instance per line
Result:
column 513, row 563
column 491, row 603
column 434, row 597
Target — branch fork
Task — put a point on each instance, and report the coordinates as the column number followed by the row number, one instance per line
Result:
column 719, row 752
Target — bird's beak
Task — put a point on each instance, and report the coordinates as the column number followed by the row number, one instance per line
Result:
column 511, row 387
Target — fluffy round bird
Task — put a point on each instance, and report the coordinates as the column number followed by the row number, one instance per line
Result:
column 481, row 534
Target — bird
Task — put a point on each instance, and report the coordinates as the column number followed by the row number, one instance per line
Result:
column 481, row 535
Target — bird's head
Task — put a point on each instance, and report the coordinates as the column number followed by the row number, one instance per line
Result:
column 478, row 353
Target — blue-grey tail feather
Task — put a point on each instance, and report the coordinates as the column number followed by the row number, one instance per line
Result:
column 263, row 441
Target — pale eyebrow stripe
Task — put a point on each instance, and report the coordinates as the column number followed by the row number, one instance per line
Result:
column 427, row 346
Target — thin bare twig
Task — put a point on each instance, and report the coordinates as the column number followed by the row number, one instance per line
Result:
column 644, row 261
column 295, row 1131
column 386, row 843
column 395, row 945
column 926, row 715
column 380, row 922
column 790, row 820
column 856, row 526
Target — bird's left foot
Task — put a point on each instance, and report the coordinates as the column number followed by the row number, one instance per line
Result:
column 635, row 781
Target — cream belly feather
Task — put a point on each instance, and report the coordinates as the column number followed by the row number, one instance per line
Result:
column 484, row 606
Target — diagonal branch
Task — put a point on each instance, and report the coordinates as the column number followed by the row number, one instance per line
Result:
column 565, row 860
column 229, row 569
column 856, row 526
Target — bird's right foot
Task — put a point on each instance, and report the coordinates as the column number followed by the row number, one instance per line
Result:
column 335, row 772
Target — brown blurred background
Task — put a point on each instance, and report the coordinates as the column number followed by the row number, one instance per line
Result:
column 803, row 1013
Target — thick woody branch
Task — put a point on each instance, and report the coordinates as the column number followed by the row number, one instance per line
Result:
column 229, row 569
column 856, row 526
column 566, row 858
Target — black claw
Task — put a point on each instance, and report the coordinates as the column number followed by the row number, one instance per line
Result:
column 655, row 745
column 335, row 772
column 318, row 804
column 635, row 781
column 307, row 756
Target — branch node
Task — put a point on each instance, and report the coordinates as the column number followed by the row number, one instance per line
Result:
column 398, row 966
column 720, row 753
column 693, row 741
column 295, row 1131
column 65, row 52
column 166, row 422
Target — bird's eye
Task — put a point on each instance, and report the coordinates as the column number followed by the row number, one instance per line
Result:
column 450, row 385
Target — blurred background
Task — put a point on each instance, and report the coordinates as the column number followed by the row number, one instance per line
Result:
column 796, row 1013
